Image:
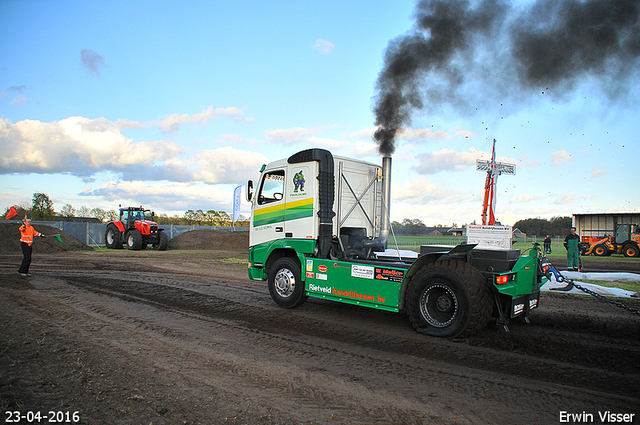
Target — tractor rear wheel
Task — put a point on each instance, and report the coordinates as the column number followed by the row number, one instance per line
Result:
column 630, row 250
column 134, row 240
column 163, row 241
column 448, row 298
column 112, row 237
column 285, row 286
column 601, row 251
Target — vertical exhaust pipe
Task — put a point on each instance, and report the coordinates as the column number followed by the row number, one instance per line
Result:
column 385, row 222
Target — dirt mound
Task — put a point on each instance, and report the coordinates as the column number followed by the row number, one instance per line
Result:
column 10, row 240
column 212, row 239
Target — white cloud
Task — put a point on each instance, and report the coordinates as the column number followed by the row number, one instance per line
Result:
column 525, row 197
column 324, row 46
column 446, row 160
column 422, row 134
column 290, row 135
column 173, row 196
column 226, row 165
column 567, row 199
column 171, row 124
column 560, row 158
column 597, row 173
column 76, row 145
column 84, row 147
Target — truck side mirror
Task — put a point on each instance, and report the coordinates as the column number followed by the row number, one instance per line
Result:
column 249, row 190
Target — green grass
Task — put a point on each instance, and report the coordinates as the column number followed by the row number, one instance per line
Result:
column 632, row 286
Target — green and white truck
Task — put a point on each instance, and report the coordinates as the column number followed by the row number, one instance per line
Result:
column 319, row 228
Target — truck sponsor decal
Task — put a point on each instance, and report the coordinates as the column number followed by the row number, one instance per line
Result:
column 364, row 272
column 309, row 265
column 277, row 213
column 391, row 275
column 298, row 181
column 317, row 288
column 321, row 276
column 354, row 295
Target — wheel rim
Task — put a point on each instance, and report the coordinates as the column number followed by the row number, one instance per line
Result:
column 110, row 237
column 439, row 306
column 130, row 240
column 285, row 282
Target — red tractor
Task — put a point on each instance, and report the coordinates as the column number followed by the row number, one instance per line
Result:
column 135, row 231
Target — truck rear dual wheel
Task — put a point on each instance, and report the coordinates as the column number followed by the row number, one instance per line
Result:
column 112, row 237
column 285, row 286
column 448, row 298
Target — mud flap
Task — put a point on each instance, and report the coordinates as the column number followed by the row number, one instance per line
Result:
column 515, row 307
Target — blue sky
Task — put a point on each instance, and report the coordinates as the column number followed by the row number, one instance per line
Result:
column 172, row 105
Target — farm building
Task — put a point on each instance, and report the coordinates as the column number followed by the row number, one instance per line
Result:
column 598, row 225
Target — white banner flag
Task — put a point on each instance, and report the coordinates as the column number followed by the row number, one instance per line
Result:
column 236, row 202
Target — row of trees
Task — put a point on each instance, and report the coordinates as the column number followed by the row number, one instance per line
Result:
column 416, row 227
column 41, row 208
column 540, row 227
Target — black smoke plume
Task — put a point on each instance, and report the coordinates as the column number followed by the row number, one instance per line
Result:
column 460, row 52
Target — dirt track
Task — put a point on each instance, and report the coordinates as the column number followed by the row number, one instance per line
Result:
column 184, row 337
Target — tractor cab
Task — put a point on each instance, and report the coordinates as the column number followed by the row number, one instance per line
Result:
column 128, row 216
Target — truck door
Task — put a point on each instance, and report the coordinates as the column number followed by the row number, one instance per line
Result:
column 301, row 219
column 269, row 208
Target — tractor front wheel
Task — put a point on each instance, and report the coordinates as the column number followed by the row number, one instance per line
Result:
column 112, row 237
column 134, row 240
column 448, row 298
column 163, row 242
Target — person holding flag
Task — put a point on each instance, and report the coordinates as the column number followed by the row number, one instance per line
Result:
column 27, row 233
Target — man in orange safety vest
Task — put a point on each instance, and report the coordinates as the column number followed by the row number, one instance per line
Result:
column 27, row 233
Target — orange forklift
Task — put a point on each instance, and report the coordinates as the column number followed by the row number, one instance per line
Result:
column 626, row 241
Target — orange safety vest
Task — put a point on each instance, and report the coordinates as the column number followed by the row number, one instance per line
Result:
column 27, row 232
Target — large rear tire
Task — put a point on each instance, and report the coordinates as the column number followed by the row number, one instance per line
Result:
column 163, row 241
column 112, row 237
column 448, row 298
column 134, row 240
column 285, row 286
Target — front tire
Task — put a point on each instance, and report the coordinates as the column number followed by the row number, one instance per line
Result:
column 112, row 237
column 448, row 298
column 601, row 251
column 134, row 240
column 163, row 242
column 285, row 286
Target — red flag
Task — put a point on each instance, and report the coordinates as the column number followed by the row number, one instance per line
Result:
column 12, row 213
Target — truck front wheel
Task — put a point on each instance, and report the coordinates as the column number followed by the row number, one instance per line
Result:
column 285, row 286
column 448, row 298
